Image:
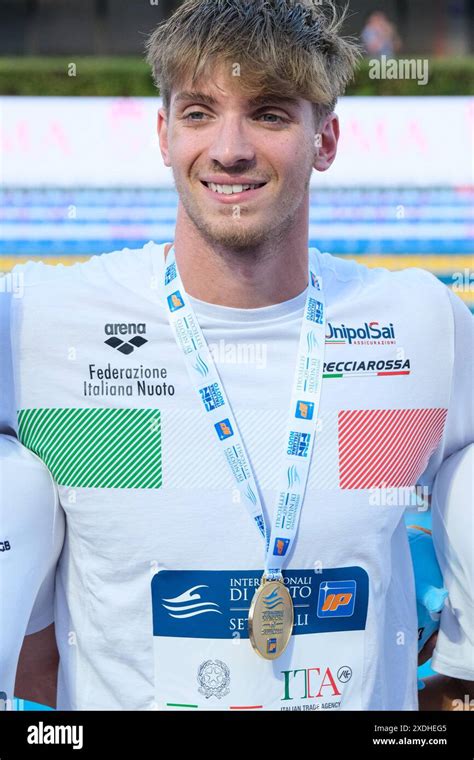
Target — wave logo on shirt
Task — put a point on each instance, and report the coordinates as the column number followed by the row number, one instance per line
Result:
column 336, row 599
column 293, row 476
column 201, row 366
column 311, row 341
column 189, row 604
column 272, row 600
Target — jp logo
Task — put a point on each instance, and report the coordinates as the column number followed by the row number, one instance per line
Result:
column 213, row 677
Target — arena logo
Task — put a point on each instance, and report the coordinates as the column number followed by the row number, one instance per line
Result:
column 123, row 328
column 370, row 333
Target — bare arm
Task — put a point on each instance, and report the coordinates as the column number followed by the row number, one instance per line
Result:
column 445, row 693
column 37, row 673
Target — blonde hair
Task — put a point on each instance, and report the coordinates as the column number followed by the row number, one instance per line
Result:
column 289, row 48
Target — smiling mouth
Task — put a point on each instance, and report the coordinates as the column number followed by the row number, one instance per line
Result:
column 233, row 189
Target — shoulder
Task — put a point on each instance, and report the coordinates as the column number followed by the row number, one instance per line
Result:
column 112, row 266
column 46, row 290
column 349, row 270
column 17, row 462
column 451, row 514
column 414, row 286
column 28, row 489
column 452, row 484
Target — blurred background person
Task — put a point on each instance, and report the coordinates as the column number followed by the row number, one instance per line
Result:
column 379, row 36
column 82, row 175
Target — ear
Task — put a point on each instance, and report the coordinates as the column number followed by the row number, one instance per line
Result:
column 162, row 130
column 325, row 142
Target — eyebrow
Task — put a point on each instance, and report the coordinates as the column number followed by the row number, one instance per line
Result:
column 258, row 101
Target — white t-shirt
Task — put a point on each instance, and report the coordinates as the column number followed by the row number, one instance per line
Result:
column 31, row 538
column 160, row 559
column 453, row 533
column 7, row 406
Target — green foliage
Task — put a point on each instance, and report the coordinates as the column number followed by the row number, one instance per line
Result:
column 130, row 75
column 446, row 76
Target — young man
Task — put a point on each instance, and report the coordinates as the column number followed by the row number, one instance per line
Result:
column 362, row 392
column 453, row 523
column 32, row 535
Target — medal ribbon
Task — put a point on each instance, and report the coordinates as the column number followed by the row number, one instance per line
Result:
column 302, row 418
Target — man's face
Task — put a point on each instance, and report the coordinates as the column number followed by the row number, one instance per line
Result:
column 217, row 140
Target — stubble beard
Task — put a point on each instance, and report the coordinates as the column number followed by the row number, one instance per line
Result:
column 233, row 234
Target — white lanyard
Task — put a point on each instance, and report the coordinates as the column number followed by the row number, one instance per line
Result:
column 302, row 418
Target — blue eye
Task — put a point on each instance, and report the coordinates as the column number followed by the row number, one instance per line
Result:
column 189, row 116
column 275, row 116
column 194, row 113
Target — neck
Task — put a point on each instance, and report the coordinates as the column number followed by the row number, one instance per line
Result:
column 245, row 280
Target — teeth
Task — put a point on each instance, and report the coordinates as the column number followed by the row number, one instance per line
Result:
column 230, row 189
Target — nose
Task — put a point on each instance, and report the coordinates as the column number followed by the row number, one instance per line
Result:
column 230, row 143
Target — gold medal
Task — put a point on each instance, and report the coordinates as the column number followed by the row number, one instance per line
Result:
column 271, row 619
